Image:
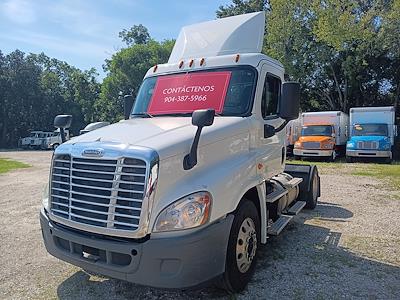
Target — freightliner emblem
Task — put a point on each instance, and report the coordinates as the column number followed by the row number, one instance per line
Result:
column 93, row 152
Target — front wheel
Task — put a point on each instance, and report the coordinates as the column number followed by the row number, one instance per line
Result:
column 55, row 146
column 244, row 241
column 333, row 156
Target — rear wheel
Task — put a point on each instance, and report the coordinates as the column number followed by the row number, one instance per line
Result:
column 244, row 241
column 313, row 194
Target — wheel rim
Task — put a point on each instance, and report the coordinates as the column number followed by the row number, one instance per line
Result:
column 315, row 187
column 246, row 245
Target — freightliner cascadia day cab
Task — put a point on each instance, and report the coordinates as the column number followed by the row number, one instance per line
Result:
column 323, row 134
column 373, row 133
column 184, row 191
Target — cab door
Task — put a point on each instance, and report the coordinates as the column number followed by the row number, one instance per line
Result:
column 273, row 150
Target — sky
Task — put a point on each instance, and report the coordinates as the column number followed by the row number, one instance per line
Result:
column 85, row 32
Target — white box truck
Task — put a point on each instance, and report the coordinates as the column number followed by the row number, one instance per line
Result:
column 187, row 187
column 373, row 133
column 293, row 131
column 323, row 134
column 53, row 139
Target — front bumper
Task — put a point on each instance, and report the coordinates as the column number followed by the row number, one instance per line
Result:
column 313, row 152
column 167, row 262
column 368, row 153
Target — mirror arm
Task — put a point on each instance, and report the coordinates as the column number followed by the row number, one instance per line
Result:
column 190, row 160
column 62, row 134
column 282, row 126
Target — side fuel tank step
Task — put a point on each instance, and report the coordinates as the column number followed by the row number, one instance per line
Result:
column 279, row 224
column 296, row 208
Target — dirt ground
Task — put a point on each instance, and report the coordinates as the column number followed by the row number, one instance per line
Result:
column 347, row 248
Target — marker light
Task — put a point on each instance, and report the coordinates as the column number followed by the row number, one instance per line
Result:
column 191, row 63
column 155, row 68
column 237, row 57
column 181, row 64
column 202, row 61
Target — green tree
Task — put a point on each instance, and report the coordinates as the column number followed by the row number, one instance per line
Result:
column 336, row 49
column 125, row 72
column 34, row 88
column 242, row 7
column 137, row 34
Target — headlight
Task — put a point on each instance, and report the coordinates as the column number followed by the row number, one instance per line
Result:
column 188, row 212
column 297, row 145
column 327, row 146
column 45, row 197
column 386, row 146
column 351, row 145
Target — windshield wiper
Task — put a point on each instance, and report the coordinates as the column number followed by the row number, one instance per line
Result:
column 143, row 115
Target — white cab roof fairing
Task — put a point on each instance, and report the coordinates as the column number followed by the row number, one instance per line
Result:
column 231, row 35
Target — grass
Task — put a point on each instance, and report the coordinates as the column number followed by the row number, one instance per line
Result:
column 390, row 173
column 386, row 172
column 7, row 165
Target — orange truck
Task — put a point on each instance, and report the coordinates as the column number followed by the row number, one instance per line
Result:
column 323, row 134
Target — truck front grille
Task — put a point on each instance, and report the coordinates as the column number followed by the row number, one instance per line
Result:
column 311, row 145
column 368, row 145
column 100, row 192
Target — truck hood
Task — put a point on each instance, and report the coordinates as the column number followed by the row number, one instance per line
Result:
column 169, row 136
column 319, row 139
column 369, row 138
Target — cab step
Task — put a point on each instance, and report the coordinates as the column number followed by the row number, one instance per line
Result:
column 296, row 208
column 272, row 197
column 279, row 224
column 293, row 182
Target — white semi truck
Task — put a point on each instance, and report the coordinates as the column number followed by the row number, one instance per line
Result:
column 185, row 189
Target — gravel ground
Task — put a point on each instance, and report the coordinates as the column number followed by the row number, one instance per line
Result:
column 347, row 248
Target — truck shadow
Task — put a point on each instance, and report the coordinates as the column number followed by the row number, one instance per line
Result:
column 305, row 261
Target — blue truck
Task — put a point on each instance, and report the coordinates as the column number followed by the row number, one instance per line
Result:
column 372, row 133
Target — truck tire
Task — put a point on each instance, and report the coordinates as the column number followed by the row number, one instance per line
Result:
column 244, row 241
column 313, row 193
column 54, row 146
column 349, row 159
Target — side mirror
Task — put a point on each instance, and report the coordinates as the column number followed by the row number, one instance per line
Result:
column 289, row 105
column 203, row 117
column 128, row 104
column 200, row 118
column 62, row 122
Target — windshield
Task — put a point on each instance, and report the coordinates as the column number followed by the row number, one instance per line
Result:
column 370, row 129
column 317, row 130
column 229, row 91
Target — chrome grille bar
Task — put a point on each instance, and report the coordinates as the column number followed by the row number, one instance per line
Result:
column 98, row 192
